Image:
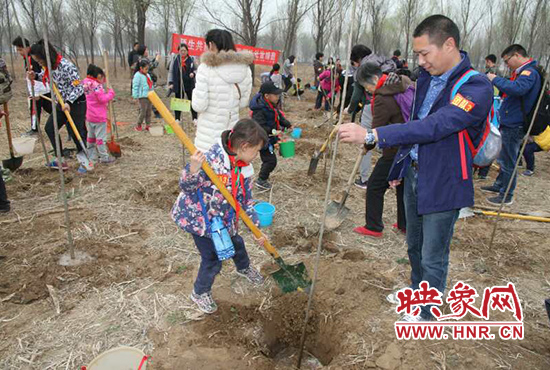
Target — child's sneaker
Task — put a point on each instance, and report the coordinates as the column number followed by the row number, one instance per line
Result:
column 55, row 166
column 204, row 302
column 82, row 170
column 263, row 184
column 138, row 128
column 147, row 127
column 252, row 275
column 108, row 160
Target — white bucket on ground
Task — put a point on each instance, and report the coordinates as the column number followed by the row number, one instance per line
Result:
column 24, row 145
column 156, row 130
column 121, row 358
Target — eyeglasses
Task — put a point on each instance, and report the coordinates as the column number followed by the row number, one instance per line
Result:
column 507, row 59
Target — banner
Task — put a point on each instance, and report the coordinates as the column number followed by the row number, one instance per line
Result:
column 197, row 46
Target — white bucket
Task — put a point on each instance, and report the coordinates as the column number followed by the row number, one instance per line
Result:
column 24, row 145
column 156, row 130
column 121, row 358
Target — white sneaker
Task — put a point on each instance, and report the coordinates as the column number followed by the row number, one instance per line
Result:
column 392, row 297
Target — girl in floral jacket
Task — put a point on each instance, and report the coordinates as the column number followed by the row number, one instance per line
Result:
column 229, row 159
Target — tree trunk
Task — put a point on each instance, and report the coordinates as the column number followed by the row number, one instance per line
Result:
column 141, row 8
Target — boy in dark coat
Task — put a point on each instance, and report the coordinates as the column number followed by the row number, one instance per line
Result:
column 265, row 110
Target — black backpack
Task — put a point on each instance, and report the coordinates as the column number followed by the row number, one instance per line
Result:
column 542, row 114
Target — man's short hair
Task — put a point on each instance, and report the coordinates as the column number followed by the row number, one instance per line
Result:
column 513, row 49
column 136, row 43
column 319, row 55
column 21, row 42
column 491, row 58
column 438, row 28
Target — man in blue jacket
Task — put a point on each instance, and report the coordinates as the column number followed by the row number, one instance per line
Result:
column 520, row 96
column 433, row 159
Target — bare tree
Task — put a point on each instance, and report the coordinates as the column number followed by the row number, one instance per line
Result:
column 323, row 11
column 377, row 12
column 409, row 10
column 512, row 18
column 490, row 25
column 470, row 15
column 537, row 13
column 361, row 20
column 30, row 9
column 141, row 18
column 163, row 9
column 294, row 11
column 183, row 9
column 247, row 13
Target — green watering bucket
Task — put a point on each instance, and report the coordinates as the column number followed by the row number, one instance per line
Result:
column 287, row 148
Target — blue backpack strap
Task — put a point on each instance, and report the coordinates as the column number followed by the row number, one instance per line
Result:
column 461, row 81
column 204, row 212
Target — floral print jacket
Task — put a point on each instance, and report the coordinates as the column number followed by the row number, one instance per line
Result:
column 187, row 211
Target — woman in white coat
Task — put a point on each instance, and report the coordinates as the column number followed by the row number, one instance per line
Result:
column 223, row 86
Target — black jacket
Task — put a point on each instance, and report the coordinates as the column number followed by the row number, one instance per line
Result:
column 176, row 69
column 265, row 116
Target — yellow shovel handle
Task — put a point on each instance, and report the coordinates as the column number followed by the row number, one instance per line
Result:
column 167, row 116
column 324, row 146
column 516, row 216
column 67, row 114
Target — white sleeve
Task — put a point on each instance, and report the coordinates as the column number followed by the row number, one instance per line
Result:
column 200, row 93
column 246, row 89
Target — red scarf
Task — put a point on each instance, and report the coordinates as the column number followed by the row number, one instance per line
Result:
column 380, row 83
column 277, row 121
column 46, row 77
column 236, row 179
column 94, row 79
column 149, row 81
column 515, row 74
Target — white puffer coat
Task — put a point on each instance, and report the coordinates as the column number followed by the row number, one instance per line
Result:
column 223, row 85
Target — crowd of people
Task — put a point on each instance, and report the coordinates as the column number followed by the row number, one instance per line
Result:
column 418, row 120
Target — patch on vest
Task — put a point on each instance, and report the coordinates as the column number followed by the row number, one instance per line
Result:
column 463, row 103
column 526, row 73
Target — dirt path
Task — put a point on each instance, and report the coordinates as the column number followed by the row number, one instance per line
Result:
column 134, row 291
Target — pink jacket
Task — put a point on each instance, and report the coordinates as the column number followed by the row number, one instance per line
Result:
column 96, row 100
column 326, row 83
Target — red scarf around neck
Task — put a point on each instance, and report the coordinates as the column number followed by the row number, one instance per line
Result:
column 380, row 83
column 46, row 77
column 149, row 81
column 277, row 120
column 236, row 177
column 515, row 74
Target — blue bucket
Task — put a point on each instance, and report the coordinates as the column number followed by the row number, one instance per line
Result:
column 296, row 133
column 265, row 213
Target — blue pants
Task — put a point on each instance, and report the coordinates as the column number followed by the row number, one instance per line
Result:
column 511, row 144
column 211, row 266
column 529, row 155
column 428, row 239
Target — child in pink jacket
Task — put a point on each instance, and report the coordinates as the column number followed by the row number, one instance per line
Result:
column 326, row 82
column 96, row 114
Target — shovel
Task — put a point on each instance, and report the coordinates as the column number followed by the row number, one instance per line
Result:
column 14, row 162
column 337, row 211
column 86, row 162
column 317, row 155
column 113, row 147
column 289, row 277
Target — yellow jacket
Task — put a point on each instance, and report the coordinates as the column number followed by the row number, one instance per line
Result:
column 543, row 140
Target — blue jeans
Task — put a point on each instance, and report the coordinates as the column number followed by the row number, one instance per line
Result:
column 211, row 266
column 428, row 239
column 529, row 155
column 511, row 144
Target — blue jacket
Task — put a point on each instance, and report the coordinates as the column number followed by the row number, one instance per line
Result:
column 445, row 166
column 526, row 86
column 265, row 116
column 140, row 87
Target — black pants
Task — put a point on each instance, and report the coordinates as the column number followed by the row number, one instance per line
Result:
column 376, row 188
column 287, row 80
column 319, row 99
column 211, row 266
column 78, row 114
column 181, row 95
column 4, row 202
column 269, row 162
column 40, row 104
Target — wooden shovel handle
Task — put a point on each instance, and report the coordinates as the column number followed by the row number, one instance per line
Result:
column 108, row 82
column 167, row 116
column 67, row 114
column 324, row 146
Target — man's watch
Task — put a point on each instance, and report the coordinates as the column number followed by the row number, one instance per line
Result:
column 370, row 139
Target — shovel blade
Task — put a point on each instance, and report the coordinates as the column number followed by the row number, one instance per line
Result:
column 336, row 214
column 290, row 278
column 12, row 163
column 313, row 164
column 114, row 149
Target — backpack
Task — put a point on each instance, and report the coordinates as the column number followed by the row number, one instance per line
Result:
column 542, row 114
column 490, row 144
column 5, row 83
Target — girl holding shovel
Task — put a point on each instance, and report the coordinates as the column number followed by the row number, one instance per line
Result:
column 67, row 78
column 202, row 210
